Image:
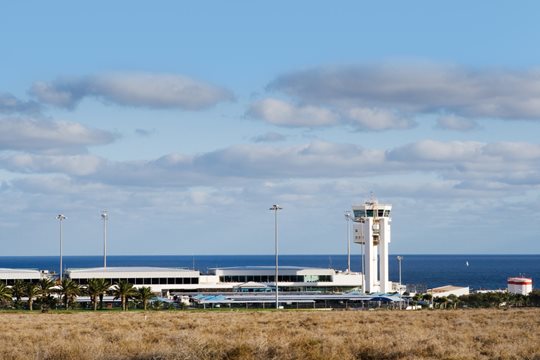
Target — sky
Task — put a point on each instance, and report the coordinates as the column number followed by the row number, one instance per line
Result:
column 187, row 121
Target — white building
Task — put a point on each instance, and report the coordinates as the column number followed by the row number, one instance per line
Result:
column 160, row 280
column 290, row 278
column 447, row 290
column 170, row 280
column 520, row 285
column 372, row 230
column 9, row 276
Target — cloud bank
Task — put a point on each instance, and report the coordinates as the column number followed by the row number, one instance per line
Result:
column 508, row 94
column 467, row 163
column 390, row 96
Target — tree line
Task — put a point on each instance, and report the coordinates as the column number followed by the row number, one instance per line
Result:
column 479, row 300
column 43, row 293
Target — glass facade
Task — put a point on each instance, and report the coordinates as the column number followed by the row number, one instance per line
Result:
column 371, row 212
column 146, row 281
column 11, row 282
column 271, row 278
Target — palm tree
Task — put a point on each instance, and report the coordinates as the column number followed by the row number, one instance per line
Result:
column 124, row 291
column 144, row 294
column 18, row 290
column 5, row 294
column 32, row 291
column 45, row 286
column 428, row 298
column 69, row 290
column 97, row 288
column 453, row 300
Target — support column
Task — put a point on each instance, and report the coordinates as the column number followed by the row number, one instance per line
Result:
column 370, row 257
column 383, row 254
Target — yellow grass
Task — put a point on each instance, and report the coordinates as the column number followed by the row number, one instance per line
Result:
column 459, row 334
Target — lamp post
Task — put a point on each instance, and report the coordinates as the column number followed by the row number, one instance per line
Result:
column 105, row 217
column 275, row 209
column 399, row 258
column 60, row 218
column 348, row 219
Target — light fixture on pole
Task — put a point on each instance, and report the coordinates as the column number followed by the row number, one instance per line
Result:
column 105, row 217
column 348, row 218
column 275, row 209
column 61, row 218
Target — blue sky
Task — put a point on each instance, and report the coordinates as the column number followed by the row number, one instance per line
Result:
column 188, row 121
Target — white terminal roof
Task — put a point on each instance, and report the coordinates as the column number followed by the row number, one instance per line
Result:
column 446, row 288
column 19, row 274
column 130, row 272
column 270, row 270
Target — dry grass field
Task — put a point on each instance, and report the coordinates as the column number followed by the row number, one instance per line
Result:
column 450, row 334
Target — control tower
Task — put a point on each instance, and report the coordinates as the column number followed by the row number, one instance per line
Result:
column 372, row 230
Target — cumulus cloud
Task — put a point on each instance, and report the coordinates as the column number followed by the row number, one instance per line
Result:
column 457, row 123
column 473, row 162
column 283, row 113
column 269, row 137
column 377, row 119
column 29, row 134
column 513, row 150
column 437, row 151
column 280, row 112
column 9, row 104
column 420, row 88
column 466, row 151
column 316, row 159
column 133, row 89
column 75, row 165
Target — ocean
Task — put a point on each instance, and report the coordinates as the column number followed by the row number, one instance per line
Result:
column 475, row 271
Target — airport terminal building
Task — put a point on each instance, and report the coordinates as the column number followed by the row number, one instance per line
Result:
column 234, row 279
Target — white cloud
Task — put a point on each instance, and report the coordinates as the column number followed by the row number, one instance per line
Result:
column 75, row 165
column 133, row 89
column 9, row 104
column 431, row 150
column 282, row 113
column 457, row 123
column 463, row 162
column 269, row 137
column 279, row 112
column 61, row 93
column 420, row 88
column 377, row 119
column 29, row 134
column 316, row 159
column 513, row 150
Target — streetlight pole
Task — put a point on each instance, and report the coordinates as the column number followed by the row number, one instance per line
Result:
column 362, row 257
column 105, row 217
column 399, row 258
column 60, row 218
column 275, row 209
column 348, row 219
